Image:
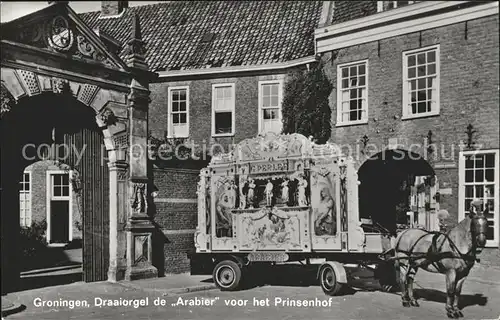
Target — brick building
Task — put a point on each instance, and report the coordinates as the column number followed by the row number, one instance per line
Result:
column 221, row 71
column 411, row 74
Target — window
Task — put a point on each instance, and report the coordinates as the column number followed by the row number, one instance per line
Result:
column 60, row 185
column 25, row 200
column 352, row 93
column 479, row 180
column 223, row 98
column 178, row 112
column 421, row 82
column 387, row 5
column 270, row 98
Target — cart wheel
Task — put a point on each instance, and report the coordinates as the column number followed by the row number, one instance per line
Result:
column 328, row 280
column 227, row 275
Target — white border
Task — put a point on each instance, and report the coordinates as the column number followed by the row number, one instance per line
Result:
column 49, row 197
column 280, row 82
column 233, row 128
column 406, row 110
column 461, row 191
column 169, row 112
column 363, row 30
column 364, row 120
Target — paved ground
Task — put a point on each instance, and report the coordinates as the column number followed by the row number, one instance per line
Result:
column 481, row 300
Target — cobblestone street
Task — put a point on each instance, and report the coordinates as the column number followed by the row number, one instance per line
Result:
column 481, row 300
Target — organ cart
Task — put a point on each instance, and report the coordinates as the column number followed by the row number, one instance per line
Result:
column 281, row 198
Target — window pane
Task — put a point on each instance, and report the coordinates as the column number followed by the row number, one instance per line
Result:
column 353, row 71
column 361, row 69
column 422, row 95
column 479, row 192
column 175, row 95
column 490, row 190
column 267, row 90
column 469, row 191
column 345, row 107
column 354, row 93
column 411, row 73
column 469, row 163
column 421, row 71
column 430, row 82
column 431, row 56
column 411, row 61
column 413, row 84
column 175, row 118
column 182, row 95
column 345, row 83
column 175, row 106
column 345, row 72
column 223, row 122
column 27, row 177
column 414, row 108
column 182, row 106
column 490, row 175
column 354, row 105
column 469, row 175
column 274, row 101
column 183, row 118
column 431, row 69
column 479, row 176
column 362, row 80
column 65, row 179
column 421, row 58
column 57, row 191
column 414, row 96
column 270, row 114
column 65, row 191
column 266, row 101
column 422, row 107
column 354, row 82
column 274, row 89
column 490, row 160
column 479, row 161
column 421, row 84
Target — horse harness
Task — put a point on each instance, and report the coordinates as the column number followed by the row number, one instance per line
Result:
column 433, row 255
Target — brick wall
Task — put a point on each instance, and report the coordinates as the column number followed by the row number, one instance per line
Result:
column 200, row 107
column 175, row 217
column 469, row 84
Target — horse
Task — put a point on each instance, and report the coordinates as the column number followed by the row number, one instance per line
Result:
column 452, row 253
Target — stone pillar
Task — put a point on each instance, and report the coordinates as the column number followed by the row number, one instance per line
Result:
column 118, row 195
column 139, row 225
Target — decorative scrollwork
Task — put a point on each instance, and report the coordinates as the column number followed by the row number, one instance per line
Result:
column 6, row 100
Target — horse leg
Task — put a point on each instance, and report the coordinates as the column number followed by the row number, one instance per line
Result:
column 458, row 291
column 411, row 275
column 403, row 272
column 450, row 293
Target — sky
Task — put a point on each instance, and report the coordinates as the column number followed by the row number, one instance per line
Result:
column 11, row 10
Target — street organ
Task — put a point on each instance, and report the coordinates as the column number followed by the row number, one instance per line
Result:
column 278, row 198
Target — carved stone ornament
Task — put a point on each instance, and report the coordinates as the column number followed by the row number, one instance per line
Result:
column 108, row 117
column 61, row 86
column 7, row 100
column 139, row 198
column 59, row 34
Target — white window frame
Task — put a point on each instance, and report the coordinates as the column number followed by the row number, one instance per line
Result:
column 406, row 107
column 364, row 119
column 50, row 197
column 170, row 133
column 380, row 5
column 280, row 83
column 233, row 111
column 461, row 191
column 28, row 213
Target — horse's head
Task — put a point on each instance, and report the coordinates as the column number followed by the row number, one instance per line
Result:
column 479, row 223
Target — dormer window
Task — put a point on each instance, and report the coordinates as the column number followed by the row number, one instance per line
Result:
column 388, row 5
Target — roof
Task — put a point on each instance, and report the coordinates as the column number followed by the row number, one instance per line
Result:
column 350, row 10
column 182, row 35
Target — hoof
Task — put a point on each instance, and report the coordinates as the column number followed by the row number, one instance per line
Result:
column 406, row 304
column 414, row 303
column 459, row 313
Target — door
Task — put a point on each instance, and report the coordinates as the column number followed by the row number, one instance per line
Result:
column 59, row 207
column 423, row 203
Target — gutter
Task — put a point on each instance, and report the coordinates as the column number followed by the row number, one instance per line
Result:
column 235, row 69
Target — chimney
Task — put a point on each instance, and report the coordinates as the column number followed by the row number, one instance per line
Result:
column 113, row 8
